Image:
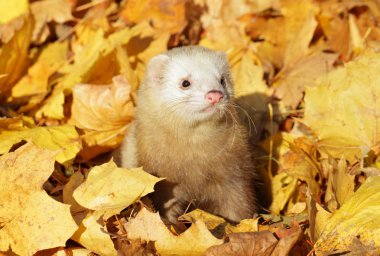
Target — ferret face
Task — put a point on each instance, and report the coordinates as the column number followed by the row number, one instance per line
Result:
column 195, row 83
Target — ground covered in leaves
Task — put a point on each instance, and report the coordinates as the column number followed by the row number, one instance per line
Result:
column 306, row 72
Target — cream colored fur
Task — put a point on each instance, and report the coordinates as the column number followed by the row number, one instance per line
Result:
column 203, row 155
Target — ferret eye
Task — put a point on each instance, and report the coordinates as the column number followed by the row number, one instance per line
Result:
column 223, row 81
column 185, row 83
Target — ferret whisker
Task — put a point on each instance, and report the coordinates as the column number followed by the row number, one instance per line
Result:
column 250, row 120
column 234, row 125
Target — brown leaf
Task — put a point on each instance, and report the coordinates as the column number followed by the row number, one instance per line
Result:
column 245, row 244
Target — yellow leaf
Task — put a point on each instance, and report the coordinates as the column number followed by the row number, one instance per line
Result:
column 67, row 194
column 283, row 188
column 96, row 48
column 211, row 221
column 14, row 53
column 36, row 81
column 12, row 9
column 355, row 225
column 64, row 139
column 103, row 113
column 46, row 11
column 148, row 226
column 73, row 252
column 290, row 83
column 92, row 235
column 26, row 208
column 102, row 108
column 112, row 189
column 247, row 225
column 11, row 123
column 250, row 90
column 53, row 107
column 222, row 29
column 165, row 15
column 346, row 120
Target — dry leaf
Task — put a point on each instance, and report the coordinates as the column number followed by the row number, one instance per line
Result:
column 283, row 188
column 103, row 112
column 111, row 189
column 46, row 11
column 93, row 235
column 36, row 81
column 355, row 224
column 244, row 244
column 345, row 121
column 97, row 49
column 149, row 227
column 14, row 52
column 211, row 221
column 26, row 208
column 166, row 16
column 247, row 225
column 290, row 83
column 12, row 9
column 64, row 139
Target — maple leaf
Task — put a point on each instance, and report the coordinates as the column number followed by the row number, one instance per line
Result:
column 149, row 227
column 168, row 16
column 46, row 11
column 103, row 112
column 346, row 121
column 354, row 227
column 14, row 52
column 63, row 138
column 26, row 208
column 36, row 81
column 108, row 190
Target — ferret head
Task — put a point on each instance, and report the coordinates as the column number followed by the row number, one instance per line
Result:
column 192, row 83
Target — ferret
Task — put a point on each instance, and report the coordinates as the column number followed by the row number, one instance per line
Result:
column 187, row 131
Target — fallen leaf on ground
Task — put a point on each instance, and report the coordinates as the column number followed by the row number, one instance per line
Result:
column 64, row 139
column 25, row 208
column 345, row 121
column 149, row 227
column 103, row 113
column 244, row 244
column 111, row 189
column 93, row 235
column 355, row 225
column 46, row 11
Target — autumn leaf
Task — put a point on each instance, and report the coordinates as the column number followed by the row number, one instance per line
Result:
column 46, row 11
column 290, row 83
column 26, row 208
column 14, row 49
column 12, row 9
column 112, row 189
column 305, row 87
column 97, row 47
column 93, row 235
column 148, row 226
column 36, row 81
column 103, row 113
column 345, row 121
column 168, row 16
column 64, row 139
column 354, row 227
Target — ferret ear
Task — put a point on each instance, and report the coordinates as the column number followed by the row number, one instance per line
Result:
column 156, row 66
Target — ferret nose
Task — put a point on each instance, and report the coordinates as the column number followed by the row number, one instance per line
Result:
column 214, row 96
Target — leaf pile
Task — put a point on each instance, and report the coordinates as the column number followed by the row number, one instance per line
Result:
column 305, row 73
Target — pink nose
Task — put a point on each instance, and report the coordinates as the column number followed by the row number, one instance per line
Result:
column 214, row 96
